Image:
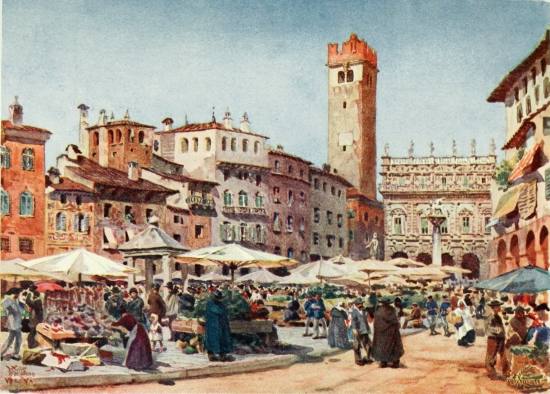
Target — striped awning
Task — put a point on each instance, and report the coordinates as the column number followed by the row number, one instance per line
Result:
column 508, row 202
column 524, row 165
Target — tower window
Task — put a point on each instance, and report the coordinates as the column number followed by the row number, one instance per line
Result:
column 344, row 105
column 349, row 76
column 341, row 77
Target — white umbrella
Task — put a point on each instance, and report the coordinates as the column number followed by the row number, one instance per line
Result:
column 404, row 262
column 78, row 262
column 260, row 276
column 391, row 280
column 13, row 270
column 212, row 277
column 369, row 266
column 299, row 279
column 340, row 260
column 321, row 269
column 454, row 270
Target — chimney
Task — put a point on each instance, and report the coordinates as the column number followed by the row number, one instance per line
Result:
column 133, row 170
column 83, row 115
column 168, row 122
column 54, row 175
column 326, row 167
column 16, row 112
column 227, row 121
column 245, row 124
column 102, row 117
column 73, row 152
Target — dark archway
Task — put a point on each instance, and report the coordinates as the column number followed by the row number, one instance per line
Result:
column 514, row 250
column 424, row 258
column 399, row 254
column 471, row 262
column 447, row 259
column 501, row 255
column 543, row 242
column 530, row 248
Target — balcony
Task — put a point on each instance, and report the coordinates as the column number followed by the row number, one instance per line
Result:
column 232, row 210
column 200, row 202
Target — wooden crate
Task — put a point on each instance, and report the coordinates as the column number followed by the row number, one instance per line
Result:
column 189, row 326
column 46, row 330
column 251, row 327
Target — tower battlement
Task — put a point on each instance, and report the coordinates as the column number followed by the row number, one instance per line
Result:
column 354, row 49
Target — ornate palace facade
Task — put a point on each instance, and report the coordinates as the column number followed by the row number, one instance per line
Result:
column 461, row 185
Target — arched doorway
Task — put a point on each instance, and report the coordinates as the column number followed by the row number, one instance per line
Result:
column 530, row 248
column 399, row 254
column 424, row 258
column 543, row 242
column 514, row 250
column 501, row 255
column 447, row 259
column 471, row 262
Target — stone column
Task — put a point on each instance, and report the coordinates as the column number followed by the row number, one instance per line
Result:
column 166, row 269
column 436, row 247
column 149, row 272
column 132, row 277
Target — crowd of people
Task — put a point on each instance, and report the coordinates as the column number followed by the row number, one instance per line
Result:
column 368, row 323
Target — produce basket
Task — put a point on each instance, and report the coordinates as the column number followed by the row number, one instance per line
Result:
column 529, row 378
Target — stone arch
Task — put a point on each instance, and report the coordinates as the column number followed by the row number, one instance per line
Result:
column 514, row 250
column 399, row 254
column 530, row 248
column 447, row 259
column 424, row 258
column 471, row 262
column 543, row 243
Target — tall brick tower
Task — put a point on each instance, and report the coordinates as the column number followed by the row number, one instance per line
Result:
column 352, row 72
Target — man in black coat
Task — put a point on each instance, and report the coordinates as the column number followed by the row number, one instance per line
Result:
column 387, row 346
column 34, row 303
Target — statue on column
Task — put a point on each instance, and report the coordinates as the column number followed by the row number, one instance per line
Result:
column 492, row 147
column 411, row 149
column 432, row 148
column 473, row 147
column 373, row 246
column 386, row 149
column 455, row 150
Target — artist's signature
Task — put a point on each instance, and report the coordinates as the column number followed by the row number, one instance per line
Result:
column 18, row 375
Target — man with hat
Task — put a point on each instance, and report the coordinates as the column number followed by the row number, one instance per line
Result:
column 415, row 317
column 310, row 313
column 539, row 330
column 217, row 335
column 135, row 306
column 431, row 306
column 34, row 303
column 387, row 346
column 319, row 309
column 517, row 331
column 495, row 341
column 13, row 309
column 156, row 303
column 361, row 333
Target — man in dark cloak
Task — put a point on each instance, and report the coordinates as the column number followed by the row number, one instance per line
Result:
column 387, row 346
column 217, row 337
column 135, row 306
column 34, row 303
column 138, row 348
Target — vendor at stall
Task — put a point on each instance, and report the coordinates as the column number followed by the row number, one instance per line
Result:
column 186, row 301
column 138, row 348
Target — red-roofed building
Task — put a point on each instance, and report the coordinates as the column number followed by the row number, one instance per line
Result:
column 22, row 152
column 521, row 217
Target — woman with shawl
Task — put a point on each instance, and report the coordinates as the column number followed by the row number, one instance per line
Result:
column 138, row 348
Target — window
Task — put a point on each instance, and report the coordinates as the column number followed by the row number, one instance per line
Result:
column 245, row 145
column 28, row 159
column 443, row 227
column 60, row 222
column 289, row 224
column 26, row 204
column 107, row 210
column 443, row 181
column 397, row 225
column 316, row 215
column 156, row 145
column 256, row 147
column 486, row 227
column 276, row 222
column 329, row 217
column 199, row 231
column 276, row 194
column 534, row 74
column 26, row 245
column 350, row 235
column 519, row 113
column 259, row 234
column 366, row 217
column 316, row 183
column 226, row 175
column 466, row 225
column 339, row 193
column 141, row 136
column 4, row 202
column 177, row 237
column 233, row 144
column 258, row 180
column 302, row 197
column 5, row 157
column 528, row 106
column 303, row 256
column 290, row 253
column 129, row 214
column 5, row 244
column 290, row 170
column 208, row 143
column 340, row 220
column 537, row 94
column 277, row 166
column 546, row 87
column 176, row 219
column 543, row 66
column 349, row 76
column 63, row 198
column 341, row 77
column 302, row 225
column 516, row 94
column 118, row 136
column 224, row 143
column 329, row 240
column 227, row 198
column 424, row 226
column 81, row 223
column 195, row 144
column 259, row 200
column 344, row 105
column 184, row 145
column 290, row 198
column 315, row 238
column 243, row 199
column 277, row 250
column 95, row 138
column 351, row 213
column 148, row 214
column 525, row 84
column 465, row 181
column 78, row 200
column 243, row 231
column 324, row 186
column 111, row 137
column 333, row 190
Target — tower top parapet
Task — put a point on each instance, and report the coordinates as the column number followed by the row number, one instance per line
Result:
column 352, row 50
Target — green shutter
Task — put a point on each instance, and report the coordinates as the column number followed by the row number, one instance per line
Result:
column 547, row 183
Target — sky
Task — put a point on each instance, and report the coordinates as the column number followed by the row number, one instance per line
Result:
column 438, row 61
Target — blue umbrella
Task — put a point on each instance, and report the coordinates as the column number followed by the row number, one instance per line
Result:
column 528, row 279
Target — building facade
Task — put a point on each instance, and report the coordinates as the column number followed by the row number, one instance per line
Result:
column 461, row 186
column 329, row 229
column 521, row 197
column 23, row 203
column 236, row 160
column 289, row 191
